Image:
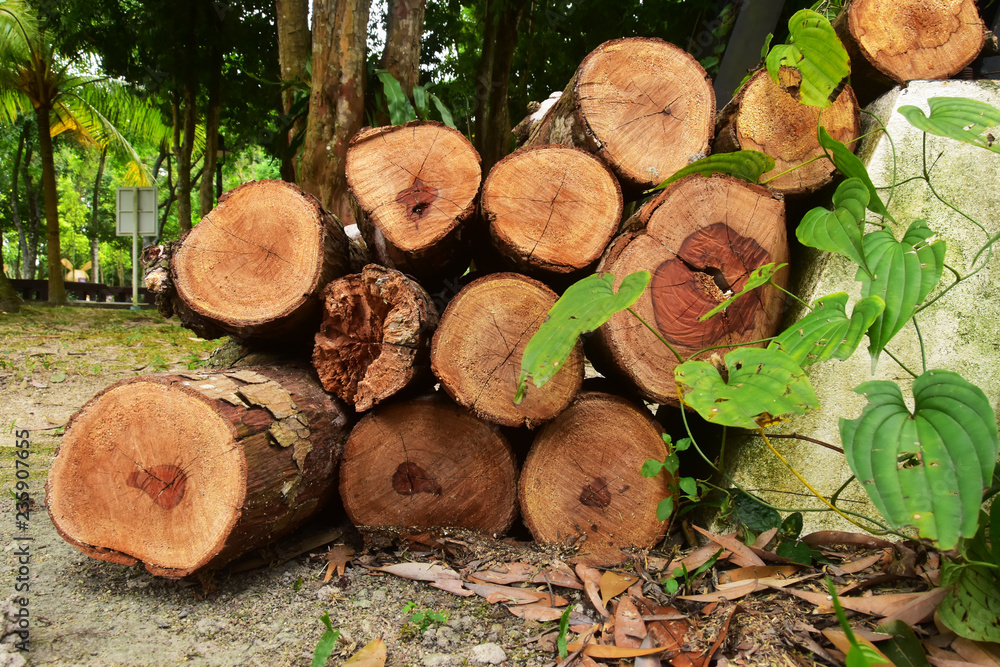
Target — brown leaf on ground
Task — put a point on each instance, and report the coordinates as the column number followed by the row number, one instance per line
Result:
column 758, row 572
column 980, row 653
column 696, row 558
column 838, row 638
column 606, row 652
column 613, row 584
column 831, row 538
column 861, row 564
column 920, row 609
column 536, row 612
column 723, row 632
column 338, row 556
column 511, row 595
column 629, row 628
column 734, row 592
column 765, row 538
column 591, row 579
column 875, row 605
column 372, row 655
column 742, row 555
column 419, row 571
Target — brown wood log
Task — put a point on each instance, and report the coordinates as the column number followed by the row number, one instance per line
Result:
column 703, row 238
column 254, row 266
column 551, row 209
column 643, row 105
column 414, row 187
column 187, row 471
column 476, row 351
column 426, row 462
column 581, row 483
column 763, row 117
column 376, row 336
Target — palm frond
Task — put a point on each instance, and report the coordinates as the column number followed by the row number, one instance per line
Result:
column 13, row 104
column 18, row 30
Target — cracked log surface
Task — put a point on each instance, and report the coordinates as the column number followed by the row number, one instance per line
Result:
column 477, row 348
column 427, row 462
column 254, row 266
column 581, row 483
column 376, row 336
column 414, row 188
column 642, row 105
column 187, row 471
column 702, row 239
column 551, row 209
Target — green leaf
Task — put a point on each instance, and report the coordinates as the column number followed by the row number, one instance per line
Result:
column 849, row 165
column 957, row 118
column 926, row 469
column 446, row 116
column 858, row 655
column 817, row 54
column 755, row 515
column 838, row 230
column 767, row 45
column 586, row 305
column 651, row 468
column 326, row 643
column 972, row 608
column 792, row 525
column 758, row 278
column 400, row 109
column 421, row 102
column 826, row 332
column 688, row 486
column 563, row 629
column 670, row 585
column 800, row 552
column 762, row 383
column 905, row 272
column 903, row 648
column 748, row 165
column 664, row 509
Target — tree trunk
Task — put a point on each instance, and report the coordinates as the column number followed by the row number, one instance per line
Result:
column 642, row 105
column 185, row 120
column 186, row 472
column 415, row 187
column 703, row 238
column 551, row 209
column 581, row 483
column 10, row 300
column 476, row 351
column 294, row 48
column 57, row 288
column 22, row 238
column 337, row 100
column 401, row 55
column 206, row 189
column 376, row 336
column 426, row 462
column 256, row 269
column 95, row 213
column 763, row 117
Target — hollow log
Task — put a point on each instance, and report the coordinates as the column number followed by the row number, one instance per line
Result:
column 185, row 472
column 763, row 117
column 477, row 349
column 414, row 188
column 551, row 209
column 376, row 336
column 643, row 105
column 254, row 266
column 426, row 462
column 702, row 239
column 581, row 483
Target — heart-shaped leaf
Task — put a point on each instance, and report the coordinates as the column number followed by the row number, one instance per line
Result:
column 826, row 332
column 761, row 384
column 957, row 118
column 902, row 274
column 972, row 608
column 818, row 56
column 758, row 278
column 838, row 230
column 586, row 305
column 849, row 165
column 748, row 165
column 927, row 468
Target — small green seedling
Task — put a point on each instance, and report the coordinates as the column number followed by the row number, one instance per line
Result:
column 424, row 619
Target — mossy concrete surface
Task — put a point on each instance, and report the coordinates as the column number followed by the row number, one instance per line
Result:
column 961, row 332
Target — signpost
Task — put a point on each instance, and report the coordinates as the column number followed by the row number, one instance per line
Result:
column 135, row 215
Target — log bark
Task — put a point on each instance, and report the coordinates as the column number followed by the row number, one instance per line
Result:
column 763, row 117
column 255, row 265
column 581, row 483
column 414, row 187
column 702, row 239
column 643, row 105
column 477, row 349
column 376, row 336
column 185, row 472
column 426, row 462
column 551, row 209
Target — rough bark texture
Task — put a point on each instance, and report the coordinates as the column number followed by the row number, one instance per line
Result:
column 642, row 105
column 414, row 187
column 185, row 119
column 255, row 265
column 551, row 208
column 427, row 462
column 477, row 349
column 401, row 55
column 702, row 239
column 294, row 48
column 186, row 472
column 57, row 290
column 763, row 117
column 337, row 100
column 376, row 335
column 581, row 483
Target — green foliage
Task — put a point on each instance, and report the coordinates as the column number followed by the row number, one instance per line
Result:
column 424, row 619
column 400, row 109
column 758, row 278
column 902, row 648
column 957, row 118
column 859, row 655
column 826, row 332
column 972, row 607
column 747, row 165
column 753, row 514
column 687, row 486
column 326, row 643
column 839, row 230
column 563, row 631
column 816, row 54
column 672, row 582
column 849, row 165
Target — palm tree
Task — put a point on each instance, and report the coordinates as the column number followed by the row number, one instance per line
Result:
column 64, row 97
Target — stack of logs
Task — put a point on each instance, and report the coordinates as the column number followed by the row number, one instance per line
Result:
column 186, row 471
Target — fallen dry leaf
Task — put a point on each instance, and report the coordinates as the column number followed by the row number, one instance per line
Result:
column 875, row 605
column 372, row 655
column 518, row 573
column 765, row 538
column 734, row 592
column 838, row 638
column 758, row 572
column 696, row 558
column 419, row 571
column 980, row 653
column 537, row 612
column 629, row 628
column 647, row 660
column 613, row 584
column 860, row 564
column 723, row 632
column 831, row 538
column 511, row 595
column 603, row 651
column 338, row 557
column 453, row 586
column 591, row 579
column 742, row 555
column 920, row 609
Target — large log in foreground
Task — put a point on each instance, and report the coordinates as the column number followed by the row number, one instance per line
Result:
column 415, row 187
column 581, row 482
column 703, row 238
column 426, row 462
column 477, row 349
column 254, row 266
column 643, row 105
column 185, row 472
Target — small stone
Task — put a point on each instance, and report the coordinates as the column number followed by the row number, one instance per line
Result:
column 488, row 654
column 161, row 622
column 440, row 660
column 184, row 613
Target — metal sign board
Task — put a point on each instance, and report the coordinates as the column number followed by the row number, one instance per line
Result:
column 133, row 201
